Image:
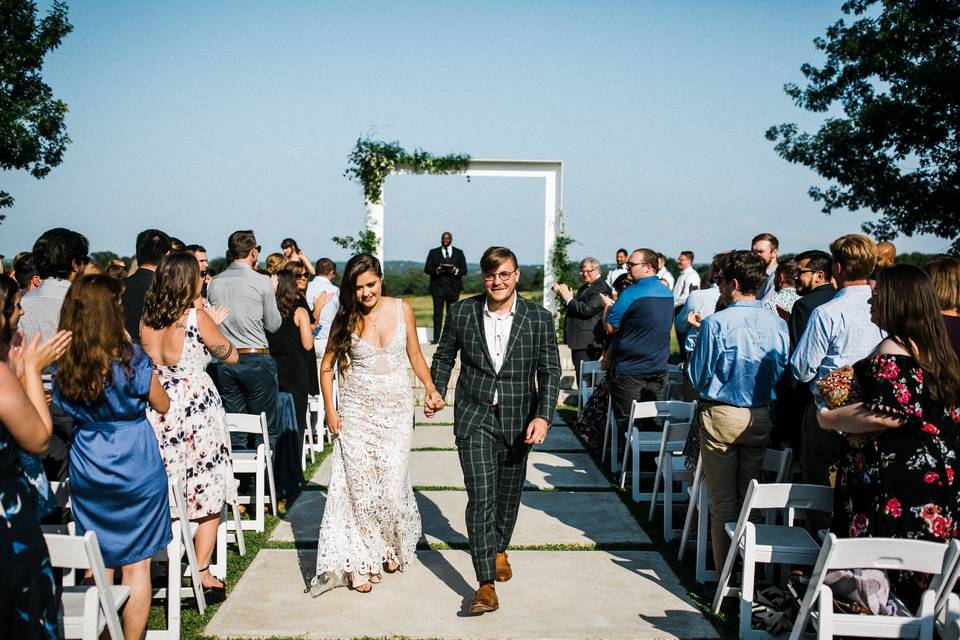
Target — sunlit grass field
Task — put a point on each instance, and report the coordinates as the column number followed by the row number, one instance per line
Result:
column 423, row 305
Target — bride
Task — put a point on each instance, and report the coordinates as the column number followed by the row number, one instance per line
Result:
column 371, row 522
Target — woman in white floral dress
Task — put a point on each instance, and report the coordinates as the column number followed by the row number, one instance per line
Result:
column 370, row 522
column 193, row 436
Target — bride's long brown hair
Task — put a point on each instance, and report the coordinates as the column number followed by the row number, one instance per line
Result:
column 349, row 318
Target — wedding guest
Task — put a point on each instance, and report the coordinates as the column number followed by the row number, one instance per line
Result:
column 945, row 274
column 179, row 336
column 767, row 247
column 785, row 289
column 886, row 255
column 177, row 245
column 583, row 327
column 275, row 262
column 29, row 603
column 92, row 269
column 897, row 463
column 58, row 255
column 200, row 253
column 323, row 285
column 152, row 245
column 839, row 333
column 250, row 385
column 118, row 487
column 699, row 305
column 25, row 273
column 813, row 280
column 664, row 274
column 689, row 279
column 293, row 253
column 639, row 322
column 291, row 345
column 740, row 354
column 619, row 270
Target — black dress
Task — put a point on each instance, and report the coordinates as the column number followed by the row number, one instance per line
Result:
column 310, row 357
column 899, row 483
column 29, row 605
column 292, row 372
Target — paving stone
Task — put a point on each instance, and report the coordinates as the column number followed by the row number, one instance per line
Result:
column 559, row 438
column 545, row 470
column 560, row 595
column 546, row 517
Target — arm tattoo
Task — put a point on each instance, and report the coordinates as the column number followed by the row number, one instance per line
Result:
column 222, row 350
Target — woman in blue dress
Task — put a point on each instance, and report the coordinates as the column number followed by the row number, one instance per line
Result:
column 118, row 485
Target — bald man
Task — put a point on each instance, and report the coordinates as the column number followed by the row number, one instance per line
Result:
column 886, row 255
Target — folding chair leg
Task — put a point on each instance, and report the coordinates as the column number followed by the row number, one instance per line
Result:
column 667, row 497
column 614, row 446
column 688, row 520
column 635, row 476
column 628, row 444
column 703, row 532
column 746, row 596
column 241, row 544
column 606, row 437
column 656, row 489
column 273, row 488
column 194, row 568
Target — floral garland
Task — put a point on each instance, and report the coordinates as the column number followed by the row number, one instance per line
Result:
column 371, row 161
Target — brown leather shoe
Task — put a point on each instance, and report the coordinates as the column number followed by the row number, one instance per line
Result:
column 504, row 572
column 485, row 599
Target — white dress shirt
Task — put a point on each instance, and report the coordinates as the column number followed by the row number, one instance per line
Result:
column 839, row 333
column 681, row 288
column 664, row 274
column 496, row 329
column 41, row 309
column 613, row 274
column 319, row 285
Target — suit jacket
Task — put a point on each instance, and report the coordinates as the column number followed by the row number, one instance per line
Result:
column 529, row 379
column 802, row 308
column 445, row 283
column 134, row 295
column 582, row 327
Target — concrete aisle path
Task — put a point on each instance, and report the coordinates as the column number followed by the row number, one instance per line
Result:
column 583, row 568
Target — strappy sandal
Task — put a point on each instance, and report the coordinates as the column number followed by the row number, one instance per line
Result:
column 391, row 567
column 366, row 586
column 375, row 578
column 213, row 595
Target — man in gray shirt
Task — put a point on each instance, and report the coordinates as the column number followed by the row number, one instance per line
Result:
column 250, row 386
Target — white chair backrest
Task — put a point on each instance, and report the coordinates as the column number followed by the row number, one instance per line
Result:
column 587, row 367
column 777, row 462
column 75, row 552
column 246, row 422
column 597, row 376
column 673, row 410
column 890, row 554
column 789, row 497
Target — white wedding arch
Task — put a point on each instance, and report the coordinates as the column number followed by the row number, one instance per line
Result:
column 551, row 171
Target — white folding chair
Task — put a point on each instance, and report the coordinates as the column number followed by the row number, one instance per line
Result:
column 258, row 463
column 775, row 462
column 670, row 468
column 585, row 383
column 309, row 444
column 948, row 619
column 890, row 554
column 219, row 565
column 87, row 609
column 649, row 441
column 769, row 543
column 172, row 558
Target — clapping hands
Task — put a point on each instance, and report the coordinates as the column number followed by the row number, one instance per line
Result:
column 35, row 357
column 432, row 403
column 562, row 290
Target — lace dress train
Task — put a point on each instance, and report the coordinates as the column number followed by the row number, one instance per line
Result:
column 371, row 516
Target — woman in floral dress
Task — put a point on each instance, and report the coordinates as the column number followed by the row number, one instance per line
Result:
column 898, row 463
column 193, row 436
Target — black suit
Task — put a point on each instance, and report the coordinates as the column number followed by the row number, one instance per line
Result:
column 134, row 293
column 583, row 330
column 445, row 285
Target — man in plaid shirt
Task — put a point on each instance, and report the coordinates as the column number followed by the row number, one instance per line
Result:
column 505, row 401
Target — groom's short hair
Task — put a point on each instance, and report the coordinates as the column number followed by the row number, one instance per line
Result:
column 494, row 257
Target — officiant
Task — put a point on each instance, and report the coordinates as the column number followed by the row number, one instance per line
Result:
column 446, row 266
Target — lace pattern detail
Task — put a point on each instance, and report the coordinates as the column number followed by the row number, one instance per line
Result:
column 371, row 516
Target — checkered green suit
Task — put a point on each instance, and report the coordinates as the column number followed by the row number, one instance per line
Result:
column 492, row 452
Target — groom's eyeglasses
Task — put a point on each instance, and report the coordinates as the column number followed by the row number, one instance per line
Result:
column 502, row 276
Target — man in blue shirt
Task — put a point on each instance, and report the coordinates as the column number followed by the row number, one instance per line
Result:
column 740, row 355
column 640, row 322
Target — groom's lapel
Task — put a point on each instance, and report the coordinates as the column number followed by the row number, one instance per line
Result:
column 481, row 334
column 519, row 320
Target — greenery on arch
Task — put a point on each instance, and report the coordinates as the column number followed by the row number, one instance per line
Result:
column 371, row 161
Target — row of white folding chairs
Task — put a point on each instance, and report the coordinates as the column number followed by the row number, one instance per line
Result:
column 588, row 378
column 314, row 434
column 259, row 463
column 89, row 609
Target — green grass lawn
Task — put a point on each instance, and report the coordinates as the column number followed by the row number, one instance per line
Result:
column 423, row 305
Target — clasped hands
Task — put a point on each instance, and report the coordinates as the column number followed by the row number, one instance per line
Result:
column 432, row 403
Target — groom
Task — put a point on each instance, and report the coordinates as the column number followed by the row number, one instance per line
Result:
column 505, row 401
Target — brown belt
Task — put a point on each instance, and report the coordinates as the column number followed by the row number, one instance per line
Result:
column 247, row 350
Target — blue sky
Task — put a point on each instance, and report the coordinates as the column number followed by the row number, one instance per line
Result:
column 204, row 117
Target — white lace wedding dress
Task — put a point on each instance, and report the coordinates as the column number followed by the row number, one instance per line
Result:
column 371, row 516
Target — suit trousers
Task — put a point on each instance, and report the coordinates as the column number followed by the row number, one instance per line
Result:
column 441, row 302
column 733, row 441
column 494, row 471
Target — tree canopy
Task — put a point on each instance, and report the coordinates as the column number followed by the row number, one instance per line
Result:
column 894, row 71
column 33, row 136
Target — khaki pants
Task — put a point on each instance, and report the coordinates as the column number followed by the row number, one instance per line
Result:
column 819, row 455
column 733, row 441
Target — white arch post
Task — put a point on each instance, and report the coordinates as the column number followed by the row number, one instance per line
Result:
column 552, row 174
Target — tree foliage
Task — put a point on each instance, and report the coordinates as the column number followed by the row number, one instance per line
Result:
column 894, row 70
column 33, row 136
